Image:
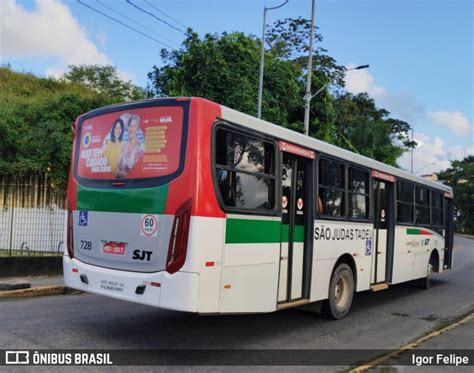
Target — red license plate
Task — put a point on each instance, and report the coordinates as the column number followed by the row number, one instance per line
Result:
column 117, row 248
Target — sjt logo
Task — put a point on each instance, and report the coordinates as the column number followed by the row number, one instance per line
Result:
column 142, row 255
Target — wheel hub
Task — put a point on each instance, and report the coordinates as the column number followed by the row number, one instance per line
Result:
column 341, row 293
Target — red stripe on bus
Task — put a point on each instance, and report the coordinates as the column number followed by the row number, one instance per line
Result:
column 425, row 233
column 71, row 195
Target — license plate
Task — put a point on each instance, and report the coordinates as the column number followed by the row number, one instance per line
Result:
column 116, row 248
column 112, row 285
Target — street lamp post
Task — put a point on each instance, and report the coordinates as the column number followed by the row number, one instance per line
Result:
column 426, row 165
column 262, row 59
column 309, row 97
column 346, row 70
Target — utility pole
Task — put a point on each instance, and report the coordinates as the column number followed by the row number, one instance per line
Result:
column 262, row 61
column 308, row 77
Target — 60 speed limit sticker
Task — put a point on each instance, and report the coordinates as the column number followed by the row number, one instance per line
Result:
column 149, row 225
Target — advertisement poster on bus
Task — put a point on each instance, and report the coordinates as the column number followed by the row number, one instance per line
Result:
column 133, row 144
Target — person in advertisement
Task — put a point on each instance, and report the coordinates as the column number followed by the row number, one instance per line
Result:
column 114, row 144
column 133, row 150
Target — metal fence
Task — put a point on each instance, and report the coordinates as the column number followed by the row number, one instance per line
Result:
column 32, row 217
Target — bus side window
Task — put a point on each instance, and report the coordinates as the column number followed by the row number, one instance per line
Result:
column 359, row 193
column 331, row 188
column 245, row 171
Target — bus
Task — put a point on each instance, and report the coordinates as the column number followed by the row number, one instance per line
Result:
column 187, row 205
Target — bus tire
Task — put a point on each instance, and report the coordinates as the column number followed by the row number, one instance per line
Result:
column 341, row 292
column 425, row 282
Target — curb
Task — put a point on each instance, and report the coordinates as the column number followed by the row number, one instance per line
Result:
column 38, row 292
column 14, row 284
column 26, row 266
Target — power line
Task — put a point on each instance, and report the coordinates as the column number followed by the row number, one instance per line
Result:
column 124, row 24
column 156, row 17
column 134, row 22
column 162, row 12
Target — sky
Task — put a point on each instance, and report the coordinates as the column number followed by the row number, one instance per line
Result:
column 420, row 52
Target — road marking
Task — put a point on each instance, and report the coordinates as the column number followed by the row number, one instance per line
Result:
column 377, row 361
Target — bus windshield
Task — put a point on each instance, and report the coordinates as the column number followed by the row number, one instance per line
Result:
column 140, row 143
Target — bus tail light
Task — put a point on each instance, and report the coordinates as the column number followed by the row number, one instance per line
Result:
column 70, row 238
column 178, row 246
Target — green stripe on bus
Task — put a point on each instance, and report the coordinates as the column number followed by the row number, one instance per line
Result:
column 260, row 231
column 252, row 231
column 145, row 201
column 298, row 233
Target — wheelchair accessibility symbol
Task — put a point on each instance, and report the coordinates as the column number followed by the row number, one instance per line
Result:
column 368, row 247
column 83, row 218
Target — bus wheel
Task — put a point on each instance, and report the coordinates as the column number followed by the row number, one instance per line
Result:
column 341, row 292
column 425, row 282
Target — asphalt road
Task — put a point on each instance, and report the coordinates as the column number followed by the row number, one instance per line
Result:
column 383, row 320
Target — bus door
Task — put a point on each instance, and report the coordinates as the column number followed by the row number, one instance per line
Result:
column 384, row 228
column 296, row 205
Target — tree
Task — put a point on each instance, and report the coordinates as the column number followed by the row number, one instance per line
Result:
column 460, row 176
column 225, row 69
column 105, row 80
column 363, row 128
column 349, row 121
column 36, row 119
column 288, row 40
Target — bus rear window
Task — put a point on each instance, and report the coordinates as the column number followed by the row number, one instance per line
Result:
column 140, row 143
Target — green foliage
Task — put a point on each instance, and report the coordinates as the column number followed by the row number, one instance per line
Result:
column 36, row 118
column 105, row 80
column 368, row 130
column 225, row 69
column 460, row 176
column 288, row 39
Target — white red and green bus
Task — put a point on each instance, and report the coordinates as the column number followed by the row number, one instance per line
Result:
column 185, row 204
